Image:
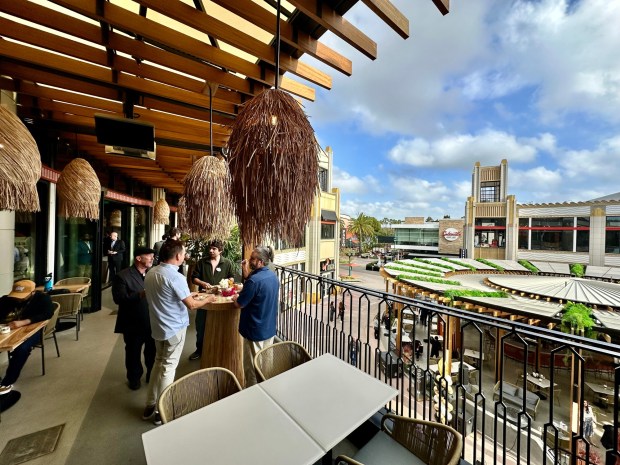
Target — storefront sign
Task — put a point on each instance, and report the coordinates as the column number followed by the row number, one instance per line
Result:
column 451, row 234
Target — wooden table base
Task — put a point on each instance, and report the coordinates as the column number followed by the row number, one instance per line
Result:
column 223, row 345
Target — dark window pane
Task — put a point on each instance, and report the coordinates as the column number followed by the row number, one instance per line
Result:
column 523, row 235
column 328, row 231
column 489, row 191
column 552, row 240
column 583, row 241
column 613, row 221
column 612, row 241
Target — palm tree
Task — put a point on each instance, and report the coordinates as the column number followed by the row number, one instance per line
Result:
column 362, row 227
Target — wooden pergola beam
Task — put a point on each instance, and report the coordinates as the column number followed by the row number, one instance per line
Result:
column 289, row 34
column 329, row 19
column 202, row 22
column 390, row 15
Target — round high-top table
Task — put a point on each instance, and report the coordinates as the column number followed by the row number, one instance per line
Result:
column 222, row 345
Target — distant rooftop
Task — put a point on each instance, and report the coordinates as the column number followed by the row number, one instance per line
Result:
column 615, row 196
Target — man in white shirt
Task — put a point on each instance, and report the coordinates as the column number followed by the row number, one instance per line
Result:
column 169, row 299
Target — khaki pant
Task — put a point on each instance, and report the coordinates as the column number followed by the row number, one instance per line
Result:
column 167, row 357
column 250, row 349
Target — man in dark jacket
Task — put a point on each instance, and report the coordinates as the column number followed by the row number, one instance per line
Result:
column 114, row 248
column 133, row 316
column 21, row 307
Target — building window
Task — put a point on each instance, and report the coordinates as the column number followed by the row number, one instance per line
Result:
column 490, row 232
column 328, row 231
column 612, row 235
column 283, row 245
column 417, row 237
column 323, row 178
column 489, row 191
column 566, row 234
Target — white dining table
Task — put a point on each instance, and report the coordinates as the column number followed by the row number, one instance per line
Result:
column 247, row 427
column 328, row 398
column 295, row 417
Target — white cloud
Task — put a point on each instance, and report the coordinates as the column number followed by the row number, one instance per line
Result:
column 349, row 184
column 463, row 150
column 566, row 50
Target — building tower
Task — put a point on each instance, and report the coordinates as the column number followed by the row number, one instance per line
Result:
column 490, row 215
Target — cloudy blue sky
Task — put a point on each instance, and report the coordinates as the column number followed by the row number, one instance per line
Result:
column 535, row 82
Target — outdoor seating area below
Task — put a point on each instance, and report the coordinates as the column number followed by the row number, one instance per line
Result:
column 512, row 396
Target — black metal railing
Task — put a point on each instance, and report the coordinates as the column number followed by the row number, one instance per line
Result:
column 520, row 399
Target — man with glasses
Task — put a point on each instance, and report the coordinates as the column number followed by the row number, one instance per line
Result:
column 258, row 301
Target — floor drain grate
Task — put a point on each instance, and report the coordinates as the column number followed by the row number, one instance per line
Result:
column 31, row 446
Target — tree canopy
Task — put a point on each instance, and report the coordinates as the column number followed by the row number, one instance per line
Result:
column 364, row 228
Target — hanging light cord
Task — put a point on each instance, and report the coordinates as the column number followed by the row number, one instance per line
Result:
column 210, row 119
column 278, row 45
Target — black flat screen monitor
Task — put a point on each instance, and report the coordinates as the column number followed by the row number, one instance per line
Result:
column 121, row 132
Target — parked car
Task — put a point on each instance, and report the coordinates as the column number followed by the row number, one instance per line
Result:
column 366, row 255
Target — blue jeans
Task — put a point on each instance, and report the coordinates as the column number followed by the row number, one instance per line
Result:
column 19, row 357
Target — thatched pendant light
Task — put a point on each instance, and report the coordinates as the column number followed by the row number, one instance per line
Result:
column 209, row 211
column 161, row 212
column 181, row 214
column 20, row 165
column 274, row 168
column 78, row 190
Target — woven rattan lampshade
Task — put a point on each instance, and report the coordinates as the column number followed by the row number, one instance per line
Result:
column 209, row 211
column 181, row 223
column 274, row 168
column 78, row 190
column 20, row 165
column 161, row 212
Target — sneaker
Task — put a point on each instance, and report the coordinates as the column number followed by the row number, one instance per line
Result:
column 149, row 412
column 195, row 355
column 5, row 389
column 157, row 419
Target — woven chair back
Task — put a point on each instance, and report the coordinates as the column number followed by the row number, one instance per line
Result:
column 278, row 358
column 196, row 390
column 79, row 280
column 50, row 327
column 69, row 303
column 433, row 443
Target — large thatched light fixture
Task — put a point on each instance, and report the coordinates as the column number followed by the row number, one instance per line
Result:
column 161, row 212
column 181, row 214
column 20, row 165
column 209, row 211
column 79, row 191
column 273, row 164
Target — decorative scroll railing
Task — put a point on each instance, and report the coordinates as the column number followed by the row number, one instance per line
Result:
column 516, row 392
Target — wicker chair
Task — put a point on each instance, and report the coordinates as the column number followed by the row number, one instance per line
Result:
column 78, row 280
column 70, row 305
column 278, row 358
column 48, row 332
column 196, row 390
column 432, row 443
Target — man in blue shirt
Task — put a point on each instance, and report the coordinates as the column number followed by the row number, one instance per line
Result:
column 169, row 298
column 258, row 301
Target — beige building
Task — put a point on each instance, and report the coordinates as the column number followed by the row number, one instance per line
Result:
column 320, row 251
column 496, row 226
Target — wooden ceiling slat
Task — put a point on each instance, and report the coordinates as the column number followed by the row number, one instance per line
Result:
column 124, row 19
column 171, row 124
column 390, row 15
column 39, row 14
column 294, row 37
column 99, row 57
column 80, row 69
column 329, row 19
column 25, row 72
column 200, row 139
column 202, row 22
